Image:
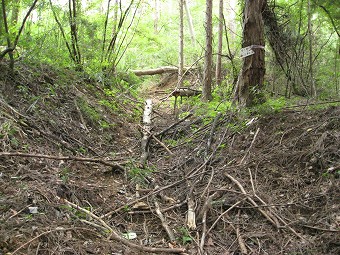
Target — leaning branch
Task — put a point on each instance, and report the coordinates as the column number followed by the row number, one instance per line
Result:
column 28, row 155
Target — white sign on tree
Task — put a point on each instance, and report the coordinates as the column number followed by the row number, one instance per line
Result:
column 247, row 51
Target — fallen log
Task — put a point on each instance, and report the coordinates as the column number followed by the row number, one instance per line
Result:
column 186, row 92
column 183, row 92
column 159, row 70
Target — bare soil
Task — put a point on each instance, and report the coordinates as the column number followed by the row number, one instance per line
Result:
column 260, row 184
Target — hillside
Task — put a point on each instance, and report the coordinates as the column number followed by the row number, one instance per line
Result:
column 72, row 181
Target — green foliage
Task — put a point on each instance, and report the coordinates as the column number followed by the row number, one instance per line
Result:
column 271, row 105
column 8, row 133
column 28, row 217
column 64, row 174
column 77, row 214
column 137, row 175
column 209, row 110
column 140, row 43
column 171, row 142
column 89, row 111
column 185, row 236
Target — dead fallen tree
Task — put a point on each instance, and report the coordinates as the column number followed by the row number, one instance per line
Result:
column 159, row 70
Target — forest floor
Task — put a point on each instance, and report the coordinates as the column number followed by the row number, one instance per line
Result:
column 72, row 182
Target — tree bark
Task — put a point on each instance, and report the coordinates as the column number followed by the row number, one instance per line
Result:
column 74, row 7
column 249, row 86
column 310, row 37
column 9, row 49
column 206, row 91
column 191, row 26
column 181, row 45
column 156, row 15
column 220, row 43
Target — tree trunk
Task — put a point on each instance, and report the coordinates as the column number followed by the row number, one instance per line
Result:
column 310, row 37
column 15, row 13
column 231, row 19
column 9, row 46
column 219, row 50
column 191, row 26
column 249, row 86
column 74, row 8
column 156, row 15
column 206, row 91
column 181, row 45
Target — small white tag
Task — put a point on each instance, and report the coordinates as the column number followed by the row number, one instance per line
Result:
column 247, row 51
column 130, row 235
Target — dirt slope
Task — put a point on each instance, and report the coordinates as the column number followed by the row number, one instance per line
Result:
column 269, row 187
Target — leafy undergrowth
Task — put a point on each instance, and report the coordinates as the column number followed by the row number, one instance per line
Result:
column 264, row 185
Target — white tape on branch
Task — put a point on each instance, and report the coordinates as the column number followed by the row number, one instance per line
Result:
column 247, row 51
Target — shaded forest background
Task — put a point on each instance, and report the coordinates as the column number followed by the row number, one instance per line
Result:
column 86, row 167
column 113, row 38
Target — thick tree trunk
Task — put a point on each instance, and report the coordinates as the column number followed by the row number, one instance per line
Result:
column 249, row 86
column 206, row 91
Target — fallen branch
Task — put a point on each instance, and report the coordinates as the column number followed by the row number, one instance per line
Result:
column 157, row 140
column 164, row 223
column 173, row 125
column 270, row 216
column 271, row 210
column 45, row 233
column 212, row 133
column 150, row 194
column 240, row 240
column 28, row 155
column 265, row 214
column 224, row 213
column 204, row 213
column 80, row 116
column 243, row 160
column 115, row 236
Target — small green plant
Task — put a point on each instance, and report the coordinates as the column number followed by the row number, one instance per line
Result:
column 105, row 125
column 64, row 175
column 171, row 142
column 77, row 214
column 82, row 150
column 138, row 175
column 28, row 217
column 8, row 132
column 222, row 145
column 185, row 235
column 126, row 208
column 110, row 104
